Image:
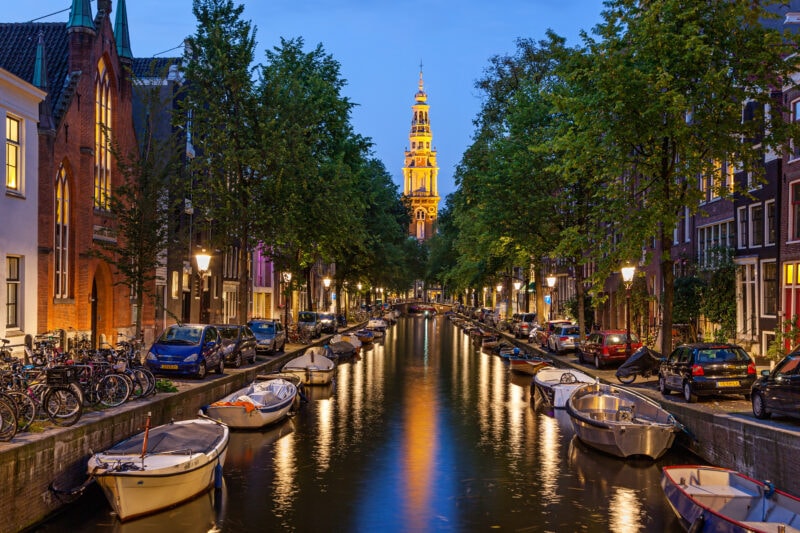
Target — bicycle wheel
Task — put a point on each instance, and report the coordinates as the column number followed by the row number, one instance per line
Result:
column 63, row 405
column 147, row 377
column 137, row 385
column 8, row 418
column 113, row 390
column 26, row 409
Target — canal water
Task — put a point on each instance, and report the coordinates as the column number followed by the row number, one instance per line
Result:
column 421, row 433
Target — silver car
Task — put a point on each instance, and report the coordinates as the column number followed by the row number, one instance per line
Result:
column 564, row 338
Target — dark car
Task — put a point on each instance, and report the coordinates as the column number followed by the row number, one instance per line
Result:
column 187, row 349
column 707, row 368
column 328, row 323
column 309, row 320
column 778, row 391
column 270, row 335
column 523, row 325
column 238, row 343
column 606, row 347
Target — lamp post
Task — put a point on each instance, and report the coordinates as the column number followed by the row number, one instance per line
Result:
column 326, row 282
column 203, row 264
column 517, row 285
column 498, row 302
column 287, row 278
column 358, row 300
column 627, row 278
column 551, row 284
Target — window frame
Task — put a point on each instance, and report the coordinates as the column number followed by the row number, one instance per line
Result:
column 756, row 234
column 13, row 281
column 61, row 237
column 17, row 146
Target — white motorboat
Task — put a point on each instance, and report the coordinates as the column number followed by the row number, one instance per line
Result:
column 620, row 422
column 556, row 384
column 709, row 498
column 161, row 467
column 377, row 326
column 263, row 402
column 313, row 368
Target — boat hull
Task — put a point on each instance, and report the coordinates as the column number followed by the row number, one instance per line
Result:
column 619, row 422
column 708, row 498
column 312, row 368
column 239, row 415
column 164, row 480
column 556, row 385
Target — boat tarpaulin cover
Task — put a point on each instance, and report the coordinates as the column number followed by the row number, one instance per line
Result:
column 199, row 437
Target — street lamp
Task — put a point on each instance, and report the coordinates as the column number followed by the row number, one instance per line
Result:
column 517, row 286
column 551, row 284
column 627, row 278
column 203, row 262
column 326, row 281
column 498, row 302
column 287, row 278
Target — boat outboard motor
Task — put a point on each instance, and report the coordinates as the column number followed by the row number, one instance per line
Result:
column 644, row 362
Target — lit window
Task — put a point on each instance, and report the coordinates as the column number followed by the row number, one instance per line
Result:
column 13, row 151
column 12, row 292
column 102, row 138
column 61, row 284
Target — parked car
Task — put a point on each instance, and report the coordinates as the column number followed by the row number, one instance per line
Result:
column 270, row 335
column 523, row 325
column 707, row 368
column 778, row 391
column 606, row 347
column 187, row 349
column 564, row 338
column 328, row 323
column 238, row 343
column 309, row 320
column 543, row 334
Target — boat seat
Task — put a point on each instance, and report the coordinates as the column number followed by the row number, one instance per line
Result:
column 770, row 527
column 717, row 490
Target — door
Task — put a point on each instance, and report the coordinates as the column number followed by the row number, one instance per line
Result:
column 94, row 314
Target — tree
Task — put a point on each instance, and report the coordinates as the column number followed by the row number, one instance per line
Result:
column 660, row 95
column 313, row 158
column 225, row 126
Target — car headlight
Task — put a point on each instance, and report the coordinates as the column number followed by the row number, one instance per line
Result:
column 151, row 356
column 191, row 359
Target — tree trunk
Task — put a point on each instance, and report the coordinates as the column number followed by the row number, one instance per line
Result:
column 668, row 293
column 581, row 294
column 244, row 283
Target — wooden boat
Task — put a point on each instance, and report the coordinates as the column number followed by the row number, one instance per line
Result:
column 557, row 384
column 161, row 467
column 489, row 341
column 528, row 364
column 313, row 368
column 708, row 498
column 261, row 403
column 620, row 422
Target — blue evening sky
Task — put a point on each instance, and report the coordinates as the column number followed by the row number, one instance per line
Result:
column 379, row 44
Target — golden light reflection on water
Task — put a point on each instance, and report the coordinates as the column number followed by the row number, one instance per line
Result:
column 625, row 510
column 284, row 485
column 549, row 460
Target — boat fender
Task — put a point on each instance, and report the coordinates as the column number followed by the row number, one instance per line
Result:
column 697, row 525
column 218, row 476
column 770, row 489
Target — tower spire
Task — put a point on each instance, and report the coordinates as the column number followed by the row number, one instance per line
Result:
column 121, row 32
column 80, row 16
column 40, row 80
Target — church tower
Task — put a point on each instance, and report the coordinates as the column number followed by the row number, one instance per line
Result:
column 420, row 171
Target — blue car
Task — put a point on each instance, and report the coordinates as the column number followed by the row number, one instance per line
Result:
column 187, row 349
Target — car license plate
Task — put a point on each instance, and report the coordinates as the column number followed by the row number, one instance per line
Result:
column 169, row 367
column 727, row 384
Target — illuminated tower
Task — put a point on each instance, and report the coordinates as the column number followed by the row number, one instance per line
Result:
column 420, row 170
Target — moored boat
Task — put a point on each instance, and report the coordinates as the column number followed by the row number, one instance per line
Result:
column 313, row 368
column 620, row 422
column 528, row 364
column 352, row 339
column 161, row 467
column 365, row 336
column 557, row 384
column 261, row 403
column 377, row 326
column 708, row 498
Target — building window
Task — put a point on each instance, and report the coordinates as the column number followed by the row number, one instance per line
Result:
column 722, row 179
column 769, row 279
column 795, row 148
column 746, row 302
column 756, row 225
column 713, row 241
column 795, row 211
column 62, row 235
column 13, row 155
column 741, row 213
column 771, row 228
column 12, row 292
column 102, row 138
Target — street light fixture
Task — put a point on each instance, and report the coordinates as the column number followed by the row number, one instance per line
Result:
column 517, row 286
column 627, row 278
column 287, row 278
column 203, row 262
column 551, row 284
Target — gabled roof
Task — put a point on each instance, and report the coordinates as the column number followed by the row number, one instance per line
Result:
column 18, row 55
column 148, row 67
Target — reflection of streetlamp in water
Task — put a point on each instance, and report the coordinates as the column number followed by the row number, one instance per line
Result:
column 551, row 284
column 287, row 278
column 627, row 278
